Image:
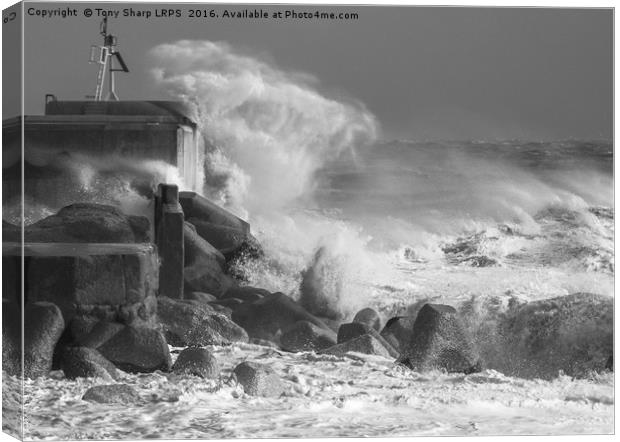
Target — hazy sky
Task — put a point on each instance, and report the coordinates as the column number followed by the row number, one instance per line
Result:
column 447, row 73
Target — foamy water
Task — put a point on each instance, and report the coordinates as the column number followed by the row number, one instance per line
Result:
column 326, row 396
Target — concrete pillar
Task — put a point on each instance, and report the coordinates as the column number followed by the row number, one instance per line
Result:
column 169, row 222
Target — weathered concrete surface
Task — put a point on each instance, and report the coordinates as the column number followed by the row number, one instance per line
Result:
column 199, row 207
column 117, row 282
column 169, row 227
column 84, row 223
column 203, row 265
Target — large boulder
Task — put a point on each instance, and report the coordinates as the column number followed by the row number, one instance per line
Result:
column 203, row 264
column 266, row 317
column 137, row 350
column 305, row 336
column 439, row 341
column 196, row 324
column 109, row 281
column 112, row 394
column 89, row 223
column 197, row 362
column 202, row 297
column 43, row 326
column 99, row 334
column 369, row 317
column 573, row 334
column 258, row 379
column 246, row 294
column 83, row 362
column 227, row 240
column 11, row 338
column 398, row 331
column 354, row 330
column 366, row 344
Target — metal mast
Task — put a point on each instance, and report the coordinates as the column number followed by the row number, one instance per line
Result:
column 104, row 56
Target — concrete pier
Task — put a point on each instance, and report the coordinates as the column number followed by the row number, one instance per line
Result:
column 169, row 222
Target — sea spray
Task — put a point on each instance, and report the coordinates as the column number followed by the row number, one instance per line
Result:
column 270, row 125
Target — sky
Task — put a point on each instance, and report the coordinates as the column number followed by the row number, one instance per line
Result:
column 424, row 72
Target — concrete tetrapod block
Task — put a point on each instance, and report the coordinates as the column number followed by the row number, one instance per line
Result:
column 440, row 341
column 305, row 336
column 43, row 326
column 263, row 318
column 258, row 379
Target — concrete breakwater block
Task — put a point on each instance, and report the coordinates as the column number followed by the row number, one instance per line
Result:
column 204, row 265
column 440, row 341
column 366, row 344
column 199, row 207
column 228, row 240
column 43, row 326
column 137, row 350
column 83, row 362
column 84, row 223
column 305, row 336
column 191, row 323
column 265, row 317
column 112, row 394
column 198, row 362
column 573, row 334
column 354, row 330
column 258, row 379
column 398, row 331
column 117, row 282
column 369, row 317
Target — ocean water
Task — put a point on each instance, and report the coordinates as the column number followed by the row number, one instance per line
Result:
column 395, row 228
column 485, row 226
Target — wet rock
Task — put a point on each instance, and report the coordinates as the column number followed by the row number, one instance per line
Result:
column 103, row 285
column 366, row 344
column 440, row 341
column 137, row 350
column 246, row 294
column 369, row 317
column 198, row 362
column 321, row 284
column 571, row 333
column 305, row 336
column 197, row 206
column 112, row 394
column 354, row 330
column 81, row 325
column 258, row 379
column 202, row 297
column 228, row 240
column 91, row 223
column 11, row 338
column 265, row 317
column 83, row 362
column 398, row 331
column 101, row 332
column 43, row 326
column 203, row 264
column 609, row 365
column 196, row 325
column 231, row 303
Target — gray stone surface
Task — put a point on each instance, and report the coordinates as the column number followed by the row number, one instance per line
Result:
column 440, row 341
column 305, row 336
column 197, row 324
column 258, row 379
column 112, row 394
column 198, row 362
column 43, row 326
column 137, row 350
